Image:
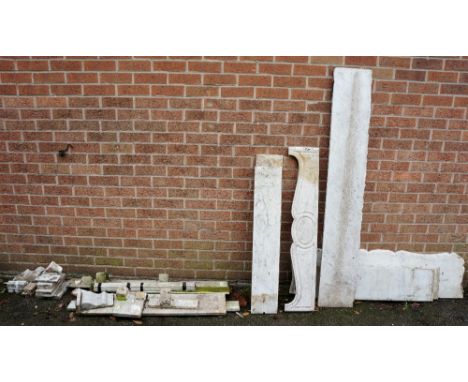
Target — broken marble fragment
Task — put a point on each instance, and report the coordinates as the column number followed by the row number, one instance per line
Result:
column 449, row 266
column 394, row 283
column 86, row 300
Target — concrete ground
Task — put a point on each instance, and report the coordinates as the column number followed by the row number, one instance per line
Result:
column 19, row 310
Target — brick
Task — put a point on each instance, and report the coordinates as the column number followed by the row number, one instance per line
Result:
column 242, row 92
column 187, row 79
column 135, row 66
column 167, row 90
column 454, row 89
column 33, row 90
column 66, row 65
column 219, row 79
column 410, row 75
column 442, row 76
column 169, row 66
column 204, row 66
column 461, row 65
column 32, row 65
column 240, row 67
column 51, row 101
column 395, row 62
column 437, row 100
column 8, row 90
column 290, row 82
column 275, row 68
column 427, row 63
column 16, row 78
column 7, row 64
column 271, row 93
column 100, row 65
column 406, row 99
column 65, row 89
column 98, row 89
column 254, row 80
column 309, row 70
column 133, row 90
column 112, row 78
column 150, row 78
column 312, row 95
column 79, row 78
column 361, row 60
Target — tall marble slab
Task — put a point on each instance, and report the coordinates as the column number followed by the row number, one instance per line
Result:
column 266, row 234
column 304, row 229
column 347, row 163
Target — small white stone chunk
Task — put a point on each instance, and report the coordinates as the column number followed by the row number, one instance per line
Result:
column 131, row 307
column 345, row 185
column 304, row 229
column 449, row 266
column 266, row 234
column 396, row 284
column 88, row 300
column 232, row 306
column 165, row 298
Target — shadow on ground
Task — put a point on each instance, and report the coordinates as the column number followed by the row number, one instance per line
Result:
column 18, row 310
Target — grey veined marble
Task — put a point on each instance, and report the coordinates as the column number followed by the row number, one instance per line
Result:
column 266, row 234
column 347, row 164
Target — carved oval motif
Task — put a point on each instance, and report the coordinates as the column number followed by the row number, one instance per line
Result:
column 302, row 229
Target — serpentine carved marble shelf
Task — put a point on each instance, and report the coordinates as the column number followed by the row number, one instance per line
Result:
column 304, row 229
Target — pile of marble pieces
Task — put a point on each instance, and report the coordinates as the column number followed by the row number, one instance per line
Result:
column 46, row 282
column 346, row 272
column 137, row 298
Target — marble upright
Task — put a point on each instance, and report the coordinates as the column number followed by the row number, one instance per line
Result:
column 351, row 107
column 266, row 234
column 304, row 229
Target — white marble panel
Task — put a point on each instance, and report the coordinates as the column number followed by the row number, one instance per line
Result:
column 450, row 267
column 266, row 234
column 351, row 107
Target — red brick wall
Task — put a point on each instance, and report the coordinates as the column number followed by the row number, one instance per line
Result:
column 161, row 174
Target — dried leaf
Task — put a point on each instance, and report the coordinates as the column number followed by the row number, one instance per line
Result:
column 59, row 307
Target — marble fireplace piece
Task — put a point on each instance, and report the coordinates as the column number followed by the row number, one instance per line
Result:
column 351, row 107
column 304, row 229
column 394, row 283
column 266, row 234
column 449, row 266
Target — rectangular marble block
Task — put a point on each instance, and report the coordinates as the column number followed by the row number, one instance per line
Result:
column 351, row 107
column 450, row 267
column 395, row 283
column 266, row 234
